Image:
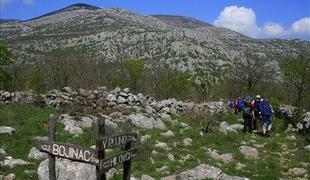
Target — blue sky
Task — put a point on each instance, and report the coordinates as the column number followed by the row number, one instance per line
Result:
column 259, row 18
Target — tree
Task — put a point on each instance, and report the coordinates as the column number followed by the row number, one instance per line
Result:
column 35, row 80
column 296, row 72
column 5, row 61
column 136, row 71
column 251, row 70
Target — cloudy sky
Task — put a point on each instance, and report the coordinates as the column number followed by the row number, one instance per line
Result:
column 286, row 19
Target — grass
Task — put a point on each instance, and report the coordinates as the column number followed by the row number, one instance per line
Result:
column 31, row 121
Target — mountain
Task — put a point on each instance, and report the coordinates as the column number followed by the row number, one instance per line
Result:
column 181, row 21
column 110, row 33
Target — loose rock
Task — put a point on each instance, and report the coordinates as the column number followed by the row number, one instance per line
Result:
column 11, row 162
column 36, row 154
column 187, row 142
column 249, row 152
column 7, row 130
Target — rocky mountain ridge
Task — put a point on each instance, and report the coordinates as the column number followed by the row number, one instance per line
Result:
column 113, row 34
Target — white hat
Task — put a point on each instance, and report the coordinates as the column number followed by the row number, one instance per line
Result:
column 257, row 96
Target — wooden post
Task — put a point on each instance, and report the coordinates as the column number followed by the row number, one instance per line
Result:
column 99, row 131
column 127, row 164
column 52, row 137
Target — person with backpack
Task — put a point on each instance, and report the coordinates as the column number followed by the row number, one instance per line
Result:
column 247, row 114
column 257, row 112
column 240, row 104
column 266, row 112
column 235, row 106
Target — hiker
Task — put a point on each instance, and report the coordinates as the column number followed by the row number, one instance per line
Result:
column 229, row 103
column 257, row 112
column 266, row 112
column 239, row 105
column 235, row 105
column 247, row 114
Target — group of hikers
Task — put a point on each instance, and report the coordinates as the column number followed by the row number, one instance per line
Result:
column 254, row 112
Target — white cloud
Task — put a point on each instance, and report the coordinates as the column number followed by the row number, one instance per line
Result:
column 240, row 19
column 274, row 30
column 243, row 20
column 301, row 27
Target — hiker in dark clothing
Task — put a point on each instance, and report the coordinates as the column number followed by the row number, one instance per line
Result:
column 266, row 112
column 257, row 112
column 248, row 115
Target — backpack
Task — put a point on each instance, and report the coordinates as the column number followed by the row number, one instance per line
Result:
column 247, row 111
column 240, row 104
column 265, row 108
column 257, row 105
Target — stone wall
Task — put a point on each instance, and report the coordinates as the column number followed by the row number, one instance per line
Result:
column 101, row 98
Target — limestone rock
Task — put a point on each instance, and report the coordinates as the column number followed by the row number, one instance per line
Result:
column 292, row 137
column 146, row 177
column 304, row 124
column 169, row 133
column 163, row 169
column 7, row 130
column 86, row 122
column 11, row 162
column 36, row 154
column 205, row 171
column 307, row 147
column 2, row 151
column 111, row 98
column 200, row 172
column 249, row 152
column 297, row 171
column 226, row 158
column 172, row 177
column 187, row 142
column 146, row 122
column 162, row 145
column 225, row 127
column 71, row 124
column 121, row 100
column 66, row 169
column 286, row 111
column 145, row 138
column 170, row 157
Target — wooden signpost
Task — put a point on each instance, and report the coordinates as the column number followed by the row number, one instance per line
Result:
column 92, row 156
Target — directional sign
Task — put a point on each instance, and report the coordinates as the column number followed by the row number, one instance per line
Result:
column 111, row 162
column 118, row 139
column 69, row 151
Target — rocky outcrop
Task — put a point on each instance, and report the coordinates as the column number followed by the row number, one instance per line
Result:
column 205, row 171
column 225, row 127
column 11, row 162
column 66, row 169
column 26, row 97
column 36, row 154
column 304, row 124
column 146, row 122
column 286, row 111
column 7, row 130
column 225, row 158
column 249, row 152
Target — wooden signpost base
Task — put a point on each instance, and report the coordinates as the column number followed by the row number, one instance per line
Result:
column 88, row 155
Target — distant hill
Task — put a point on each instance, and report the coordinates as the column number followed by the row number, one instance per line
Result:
column 184, row 43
